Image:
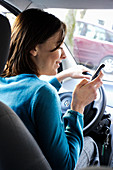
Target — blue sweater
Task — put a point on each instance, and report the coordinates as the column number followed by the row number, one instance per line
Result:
column 37, row 103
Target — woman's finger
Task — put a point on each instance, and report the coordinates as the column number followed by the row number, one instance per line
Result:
column 97, row 82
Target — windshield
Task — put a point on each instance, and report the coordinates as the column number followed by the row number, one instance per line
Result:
column 89, row 37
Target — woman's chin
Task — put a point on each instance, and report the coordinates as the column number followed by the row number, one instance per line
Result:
column 53, row 73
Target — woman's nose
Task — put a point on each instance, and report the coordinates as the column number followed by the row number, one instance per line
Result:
column 63, row 55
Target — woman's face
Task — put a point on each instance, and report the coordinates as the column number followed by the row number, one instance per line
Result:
column 48, row 62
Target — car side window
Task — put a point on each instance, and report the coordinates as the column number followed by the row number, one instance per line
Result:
column 8, row 14
column 100, row 34
column 109, row 36
column 80, row 29
column 90, row 31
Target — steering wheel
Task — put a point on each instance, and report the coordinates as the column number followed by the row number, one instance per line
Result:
column 92, row 112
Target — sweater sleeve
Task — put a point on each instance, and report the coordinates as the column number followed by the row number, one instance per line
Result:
column 55, row 83
column 61, row 142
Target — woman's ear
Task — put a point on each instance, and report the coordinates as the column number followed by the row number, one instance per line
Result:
column 34, row 51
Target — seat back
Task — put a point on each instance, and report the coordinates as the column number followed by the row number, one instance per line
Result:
column 18, row 149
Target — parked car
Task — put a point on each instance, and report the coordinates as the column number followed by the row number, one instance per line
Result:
column 93, row 45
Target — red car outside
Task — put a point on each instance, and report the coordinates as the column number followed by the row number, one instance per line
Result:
column 93, row 45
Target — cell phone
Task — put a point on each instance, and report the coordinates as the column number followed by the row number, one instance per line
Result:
column 97, row 71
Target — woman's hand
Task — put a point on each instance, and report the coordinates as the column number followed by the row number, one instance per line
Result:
column 77, row 72
column 74, row 72
column 85, row 92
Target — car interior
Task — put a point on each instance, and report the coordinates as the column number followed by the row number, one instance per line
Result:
column 16, row 142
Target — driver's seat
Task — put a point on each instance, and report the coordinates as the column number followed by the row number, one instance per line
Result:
column 18, row 149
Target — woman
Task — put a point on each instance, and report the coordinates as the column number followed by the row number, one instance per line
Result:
column 35, row 50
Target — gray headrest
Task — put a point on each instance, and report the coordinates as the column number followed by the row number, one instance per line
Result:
column 5, row 35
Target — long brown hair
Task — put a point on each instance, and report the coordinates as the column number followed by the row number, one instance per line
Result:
column 31, row 27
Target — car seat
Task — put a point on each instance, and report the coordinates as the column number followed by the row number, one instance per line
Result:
column 18, row 149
